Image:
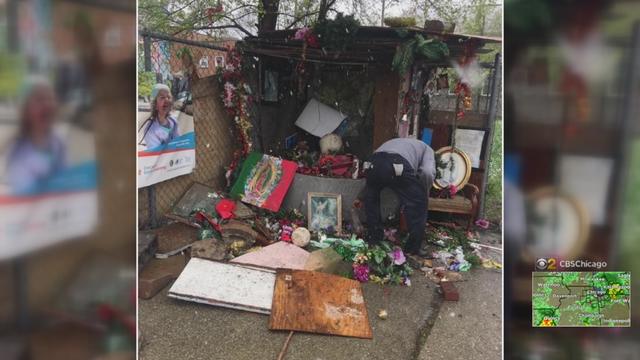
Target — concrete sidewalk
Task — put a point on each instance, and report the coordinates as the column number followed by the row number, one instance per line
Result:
column 472, row 327
column 173, row 329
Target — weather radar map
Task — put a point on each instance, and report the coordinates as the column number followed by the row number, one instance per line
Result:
column 581, row 299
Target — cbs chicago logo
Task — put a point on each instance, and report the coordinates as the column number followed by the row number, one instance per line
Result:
column 546, row 264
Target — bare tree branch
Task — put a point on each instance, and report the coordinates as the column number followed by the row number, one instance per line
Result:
column 300, row 18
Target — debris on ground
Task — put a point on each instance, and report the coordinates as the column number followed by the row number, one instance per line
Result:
column 147, row 247
column 211, row 249
column 327, row 260
column 382, row 314
column 199, row 197
column 158, row 274
column 454, row 260
column 321, row 303
column 449, row 291
column 275, row 256
column 439, row 274
column 174, row 238
column 225, row 284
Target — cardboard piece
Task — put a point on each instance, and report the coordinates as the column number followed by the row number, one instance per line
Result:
column 319, row 119
column 227, row 285
column 275, row 256
column 314, row 302
column 159, row 273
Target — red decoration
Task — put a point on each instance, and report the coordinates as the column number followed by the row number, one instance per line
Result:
column 225, row 208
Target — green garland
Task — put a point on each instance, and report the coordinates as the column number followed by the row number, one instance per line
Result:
column 337, row 34
column 418, row 47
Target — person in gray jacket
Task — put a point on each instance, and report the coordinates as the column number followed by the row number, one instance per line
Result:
column 406, row 166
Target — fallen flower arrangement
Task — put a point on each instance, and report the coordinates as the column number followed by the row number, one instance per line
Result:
column 381, row 264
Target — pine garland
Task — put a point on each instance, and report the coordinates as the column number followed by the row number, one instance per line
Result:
column 418, row 47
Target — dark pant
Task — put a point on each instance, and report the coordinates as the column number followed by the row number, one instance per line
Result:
column 411, row 191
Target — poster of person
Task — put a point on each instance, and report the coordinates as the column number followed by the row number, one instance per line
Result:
column 48, row 172
column 325, row 212
column 166, row 139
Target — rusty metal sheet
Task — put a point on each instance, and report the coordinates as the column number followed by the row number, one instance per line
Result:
column 227, row 285
column 315, row 302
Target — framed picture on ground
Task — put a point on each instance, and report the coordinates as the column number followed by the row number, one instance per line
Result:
column 324, row 212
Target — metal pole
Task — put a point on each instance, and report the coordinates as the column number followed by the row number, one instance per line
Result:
column 12, row 26
column 493, row 110
column 152, row 206
column 628, row 114
column 21, row 294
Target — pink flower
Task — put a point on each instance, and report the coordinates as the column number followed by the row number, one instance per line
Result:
column 482, row 223
column 229, row 91
column 453, row 190
column 398, row 256
column 361, row 272
column 406, row 281
column 301, row 34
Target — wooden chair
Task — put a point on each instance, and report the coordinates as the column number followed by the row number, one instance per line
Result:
column 465, row 204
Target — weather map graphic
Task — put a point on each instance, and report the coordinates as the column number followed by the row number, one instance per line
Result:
column 581, row 299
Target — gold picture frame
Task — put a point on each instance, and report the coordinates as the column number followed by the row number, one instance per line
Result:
column 324, row 210
column 465, row 160
column 576, row 236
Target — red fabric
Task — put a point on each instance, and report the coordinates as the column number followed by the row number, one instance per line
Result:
column 225, row 208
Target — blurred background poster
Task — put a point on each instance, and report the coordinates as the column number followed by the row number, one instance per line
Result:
column 572, row 162
column 67, row 178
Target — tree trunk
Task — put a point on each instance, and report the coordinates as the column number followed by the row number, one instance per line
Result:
column 324, row 8
column 269, row 20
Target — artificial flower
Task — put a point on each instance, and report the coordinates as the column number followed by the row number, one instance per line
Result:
column 482, row 223
column 398, row 256
column 301, row 34
column 361, row 272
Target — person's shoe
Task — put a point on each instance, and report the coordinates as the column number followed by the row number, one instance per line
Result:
column 414, row 261
column 421, row 253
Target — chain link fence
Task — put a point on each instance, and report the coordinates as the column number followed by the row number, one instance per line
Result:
column 188, row 66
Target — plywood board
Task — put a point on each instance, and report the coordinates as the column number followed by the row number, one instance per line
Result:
column 275, row 256
column 315, row 302
column 226, row 285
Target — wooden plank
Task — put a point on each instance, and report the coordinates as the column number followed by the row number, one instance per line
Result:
column 310, row 301
column 470, row 119
column 227, row 285
column 385, row 106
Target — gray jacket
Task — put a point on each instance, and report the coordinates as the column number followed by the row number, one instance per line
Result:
column 418, row 154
